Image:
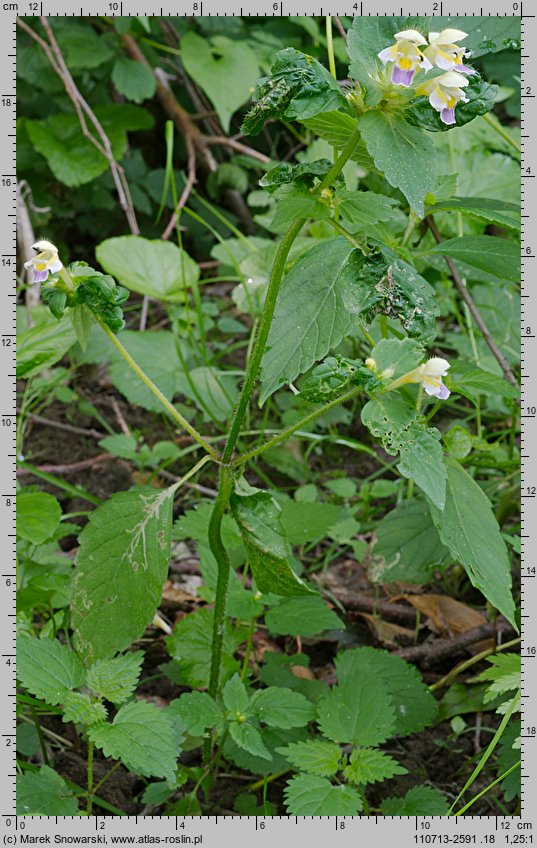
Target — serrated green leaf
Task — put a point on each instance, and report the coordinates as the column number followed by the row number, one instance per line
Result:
column 78, row 708
column 504, row 675
column 280, row 707
column 38, row 515
column 422, row 460
column 226, row 70
column 273, row 738
column 310, row 317
column 150, row 267
column 235, row 696
column 307, row 795
column 249, row 739
column 142, row 737
column 467, row 379
column 294, row 202
column 407, row 546
column 467, row 527
column 315, row 756
column 418, row 801
column 404, row 154
column 337, row 128
column 122, row 564
column 414, row 706
column 302, row 617
column 115, row 679
column 508, row 756
column 191, row 644
column 198, row 712
column 269, row 553
column 497, row 256
column 364, row 207
column 357, row 710
column 133, row 79
column 44, row 793
column 368, row 765
column 48, row 669
column 390, row 417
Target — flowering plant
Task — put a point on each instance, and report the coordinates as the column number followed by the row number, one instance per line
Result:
column 363, row 438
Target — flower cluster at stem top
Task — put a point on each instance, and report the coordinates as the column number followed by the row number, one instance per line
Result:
column 45, row 262
column 410, row 54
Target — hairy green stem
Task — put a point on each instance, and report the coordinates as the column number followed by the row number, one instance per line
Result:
column 156, row 391
column 225, row 486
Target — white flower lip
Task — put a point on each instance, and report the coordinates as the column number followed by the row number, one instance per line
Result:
column 410, row 35
column 447, row 36
column 45, row 262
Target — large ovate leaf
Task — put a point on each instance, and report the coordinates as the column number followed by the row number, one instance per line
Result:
column 358, row 710
column 47, row 668
column 404, row 154
column 226, row 70
column 307, row 795
column 142, row 736
column 467, row 527
column 158, row 352
column 496, row 256
column 44, row 793
column 310, row 317
column 133, row 79
column 390, row 417
column 151, row 267
column 122, row 564
column 269, row 552
column 302, row 617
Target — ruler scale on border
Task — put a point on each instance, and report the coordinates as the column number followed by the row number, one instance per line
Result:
column 240, row 830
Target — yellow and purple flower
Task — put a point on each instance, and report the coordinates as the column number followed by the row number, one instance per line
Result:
column 45, row 262
column 444, row 52
column 429, row 375
column 406, row 56
column 444, row 92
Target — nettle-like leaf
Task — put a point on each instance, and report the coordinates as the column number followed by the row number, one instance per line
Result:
column 315, row 756
column 248, row 737
column 364, row 208
column 235, row 695
column 294, row 202
column 413, row 705
column 396, row 290
column 142, row 736
column 503, row 676
column 298, row 87
column 468, row 528
column 198, row 712
column 269, row 552
column 418, row 801
column 310, row 317
column 403, row 153
column 79, row 709
column 368, row 765
column 122, row 564
column 358, row 710
column 115, row 679
column 307, row 795
column 481, row 98
column 280, row 707
column 44, row 793
column 337, row 128
column 48, row 669
column 335, row 376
